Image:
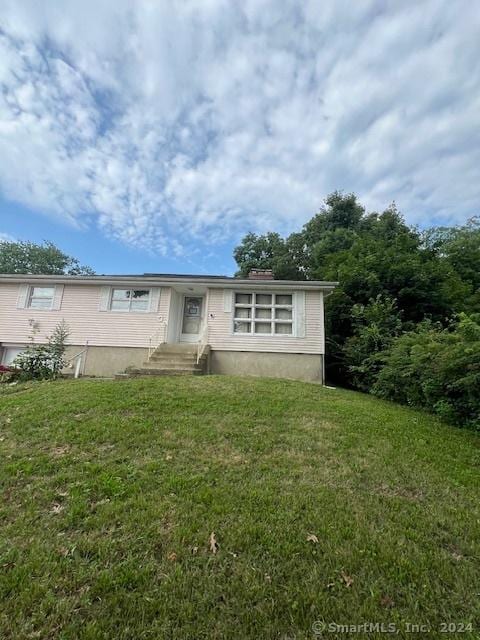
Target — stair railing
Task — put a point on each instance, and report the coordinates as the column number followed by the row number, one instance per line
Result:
column 154, row 339
column 203, row 342
column 78, row 362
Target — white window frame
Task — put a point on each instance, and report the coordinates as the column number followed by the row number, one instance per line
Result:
column 5, row 347
column 273, row 306
column 31, row 297
column 130, row 299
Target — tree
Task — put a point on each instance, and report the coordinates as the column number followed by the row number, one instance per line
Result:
column 43, row 259
column 374, row 256
column 267, row 252
column 459, row 247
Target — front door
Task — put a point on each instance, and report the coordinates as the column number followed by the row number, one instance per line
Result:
column 192, row 318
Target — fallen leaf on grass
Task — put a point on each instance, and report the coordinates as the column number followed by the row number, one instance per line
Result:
column 213, row 543
column 312, row 538
column 168, row 457
column 172, row 556
column 348, row 580
column 194, row 550
column 386, row 601
column 56, row 508
column 60, row 451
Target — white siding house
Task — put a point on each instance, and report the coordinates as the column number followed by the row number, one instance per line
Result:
column 256, row 326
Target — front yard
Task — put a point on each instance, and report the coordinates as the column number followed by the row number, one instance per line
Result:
column 327, row 507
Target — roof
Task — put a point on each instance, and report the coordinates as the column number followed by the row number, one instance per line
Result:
column 167, row 279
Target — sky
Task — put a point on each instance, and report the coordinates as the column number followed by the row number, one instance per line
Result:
column 150, row 136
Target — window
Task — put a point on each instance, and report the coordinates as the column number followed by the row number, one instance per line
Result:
column 10, row 353
column 263, row 313
column 41, row 297
column 130, row 300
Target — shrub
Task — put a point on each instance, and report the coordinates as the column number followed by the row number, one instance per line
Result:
column 375, row 327
column 437, row 369
column 43, row 362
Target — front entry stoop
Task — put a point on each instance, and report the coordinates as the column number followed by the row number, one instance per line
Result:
column 178, row 359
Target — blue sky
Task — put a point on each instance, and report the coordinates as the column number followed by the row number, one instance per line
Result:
column 150, row 136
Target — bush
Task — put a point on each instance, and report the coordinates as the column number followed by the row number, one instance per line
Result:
column 375, row 327
column 44, row 362
column 437, row 369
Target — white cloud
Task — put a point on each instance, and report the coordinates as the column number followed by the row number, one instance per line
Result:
column 168, row 124
column 6, row 237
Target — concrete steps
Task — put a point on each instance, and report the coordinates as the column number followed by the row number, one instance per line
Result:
column 171, row 360
column 156, row 371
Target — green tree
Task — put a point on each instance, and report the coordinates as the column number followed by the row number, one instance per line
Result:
column 460, row 248
column 46, row 258
column 371, row 255
column 269, row 251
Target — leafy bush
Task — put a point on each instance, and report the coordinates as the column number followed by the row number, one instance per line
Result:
column 375, row 327
column 43, row 362
column 437, row 369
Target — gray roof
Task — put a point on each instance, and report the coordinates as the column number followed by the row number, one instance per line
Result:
column 159, row 279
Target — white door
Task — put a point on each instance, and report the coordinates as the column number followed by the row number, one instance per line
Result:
column 192, row 318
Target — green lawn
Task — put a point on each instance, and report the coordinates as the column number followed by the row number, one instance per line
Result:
column 110, row 491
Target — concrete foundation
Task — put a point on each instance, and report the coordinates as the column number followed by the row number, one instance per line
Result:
column 109, row 361
column 105, row 362
column 298, row 366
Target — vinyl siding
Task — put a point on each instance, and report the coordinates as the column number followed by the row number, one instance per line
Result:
column 221, row 336
column 80, row 310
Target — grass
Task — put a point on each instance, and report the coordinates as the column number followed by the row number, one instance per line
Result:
column 110, row 491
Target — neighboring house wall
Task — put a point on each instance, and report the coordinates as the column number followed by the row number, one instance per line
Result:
column 80, row 308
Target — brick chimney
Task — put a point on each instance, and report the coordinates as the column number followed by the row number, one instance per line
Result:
column 260, row 274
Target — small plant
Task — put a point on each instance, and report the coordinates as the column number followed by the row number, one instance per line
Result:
column 8, row 374
column 40, row 361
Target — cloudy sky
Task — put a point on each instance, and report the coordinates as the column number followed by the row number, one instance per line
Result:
column 150, row 135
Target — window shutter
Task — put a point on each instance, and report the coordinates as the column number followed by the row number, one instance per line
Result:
column 154, row 299
column 300, row 314
column 104, row 298
column 227, row 300
column 57, row 297
column 22, row 296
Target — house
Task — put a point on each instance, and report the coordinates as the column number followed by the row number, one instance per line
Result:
column 158, row 323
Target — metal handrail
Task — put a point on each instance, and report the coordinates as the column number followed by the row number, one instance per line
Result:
column 78, row 360
column 203, row 342
column 155, row 339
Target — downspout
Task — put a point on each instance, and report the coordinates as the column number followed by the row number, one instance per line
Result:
column 323, row 354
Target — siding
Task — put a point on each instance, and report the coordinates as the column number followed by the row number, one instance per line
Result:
column 80, row 310
column 220, row 330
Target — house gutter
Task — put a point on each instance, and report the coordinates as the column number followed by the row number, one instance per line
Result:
column 214, row 283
